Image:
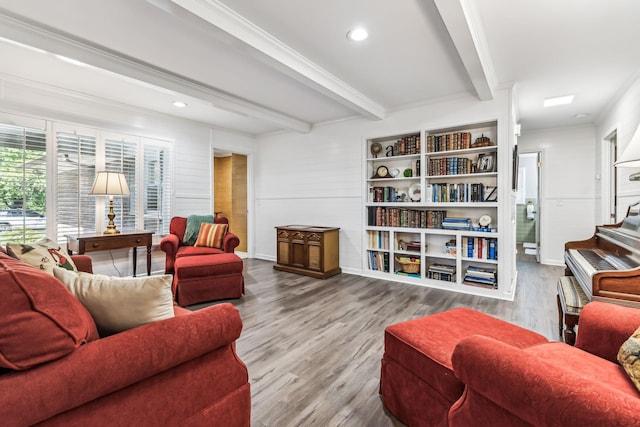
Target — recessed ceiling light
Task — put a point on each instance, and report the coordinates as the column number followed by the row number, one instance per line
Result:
column 179, row 104
column 357, row 34
column 581, row 115
column 558, row 100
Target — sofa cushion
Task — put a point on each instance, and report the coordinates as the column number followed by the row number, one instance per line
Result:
column 185, row 251
column 211, row 235
column 120, row 303
column 43, row 254
column 584, row 364
column 40, row 320
column 629, row 357
column 193, row 227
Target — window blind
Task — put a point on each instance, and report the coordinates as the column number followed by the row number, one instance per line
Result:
column 157, row 186
column 120, row 156
column 76, row 169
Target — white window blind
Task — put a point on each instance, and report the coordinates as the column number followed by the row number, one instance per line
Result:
column 120, row 156
column 76, row 169
column 157, row 186
column 23, row 184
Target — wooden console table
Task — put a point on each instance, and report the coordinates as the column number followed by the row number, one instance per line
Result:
column 309, row 250
column 105, row 242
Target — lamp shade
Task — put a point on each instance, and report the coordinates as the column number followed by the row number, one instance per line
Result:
column 630, row 158
column 110, row 184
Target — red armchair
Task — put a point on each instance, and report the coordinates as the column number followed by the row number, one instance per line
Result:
column 174, row 247
column 178, row 371
column 550, row 384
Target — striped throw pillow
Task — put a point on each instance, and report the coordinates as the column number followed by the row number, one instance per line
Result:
column 211, row 235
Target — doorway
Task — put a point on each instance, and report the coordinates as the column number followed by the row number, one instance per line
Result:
column 230, row 193
column 528, row 207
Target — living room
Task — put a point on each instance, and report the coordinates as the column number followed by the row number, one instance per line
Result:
column 306, row 137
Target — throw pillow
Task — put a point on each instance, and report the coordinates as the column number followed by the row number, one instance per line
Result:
column 44, row 254
column 193, row 227
column 40, row 320
column 629, row 357
column 120, row 303
column 211, row 235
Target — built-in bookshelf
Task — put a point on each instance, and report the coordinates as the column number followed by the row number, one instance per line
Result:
column 432, row 209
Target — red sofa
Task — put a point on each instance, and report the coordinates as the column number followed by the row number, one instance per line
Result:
column 551, row 384
column 174, row 247
column 463, row 368
column 179, row 371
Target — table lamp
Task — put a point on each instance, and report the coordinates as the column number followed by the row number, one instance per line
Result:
column 110, row 184
column 630, row 157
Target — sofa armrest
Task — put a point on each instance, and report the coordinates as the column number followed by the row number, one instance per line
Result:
column 169, row 244
column 230, row 242
column 604, row 327
column 83, row 263
column 115, row 362
column 535, row 390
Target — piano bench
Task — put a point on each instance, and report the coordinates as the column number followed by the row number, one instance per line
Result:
column 571, row 300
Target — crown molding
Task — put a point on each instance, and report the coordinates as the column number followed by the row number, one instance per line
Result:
column 282, row 57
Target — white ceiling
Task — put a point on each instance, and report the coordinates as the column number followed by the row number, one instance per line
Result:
column 260, row 66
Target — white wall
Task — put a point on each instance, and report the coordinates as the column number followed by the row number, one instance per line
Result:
column 624, row 117
column 317, row 178
column 568, row 186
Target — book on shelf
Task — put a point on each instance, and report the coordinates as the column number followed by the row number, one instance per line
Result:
column 382, row 216
column 452, row 223
column 378, row 239
column 451, row 247
column 481, row 276
column 442, row 268
column 402, row 273
column 482, row 248
column 448, row 142
column 379, row 261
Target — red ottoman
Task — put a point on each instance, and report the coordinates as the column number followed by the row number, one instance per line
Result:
column 203, row 278
column 417, row 383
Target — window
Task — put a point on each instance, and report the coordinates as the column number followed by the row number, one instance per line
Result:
column 157, row 209
column 23, row 184
column 120, row 156
column 76, row 168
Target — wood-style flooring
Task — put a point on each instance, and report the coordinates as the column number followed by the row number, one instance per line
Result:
column 313, row 347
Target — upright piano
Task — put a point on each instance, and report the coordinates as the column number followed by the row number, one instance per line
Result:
column 607, row 265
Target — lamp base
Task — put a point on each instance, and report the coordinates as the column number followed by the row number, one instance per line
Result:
column 111, row 226
column 111, row 231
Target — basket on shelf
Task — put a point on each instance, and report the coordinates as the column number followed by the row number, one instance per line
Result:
column 409, row 266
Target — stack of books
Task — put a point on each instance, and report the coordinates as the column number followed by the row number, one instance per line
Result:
column 481, row 276
column 452, row 223
column 444, row 272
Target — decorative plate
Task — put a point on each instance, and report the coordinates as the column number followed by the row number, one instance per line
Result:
column 414, row 192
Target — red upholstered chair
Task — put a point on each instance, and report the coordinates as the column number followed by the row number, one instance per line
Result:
column 173, row 244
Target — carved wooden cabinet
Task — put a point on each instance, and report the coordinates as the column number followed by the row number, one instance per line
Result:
column 309, row 250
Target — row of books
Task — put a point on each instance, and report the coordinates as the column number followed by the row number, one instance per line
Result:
column 482, row 248
column 378, row 239
column 451, row 141
column 385, row 194
column 449, row 166
column 407, row 145
column 438, row 271
column 453, row 223
column 379, row 261
column 481, row 276
column 399, row 217
column 461, row 192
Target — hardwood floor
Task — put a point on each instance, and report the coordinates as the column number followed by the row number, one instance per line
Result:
column 313, row 347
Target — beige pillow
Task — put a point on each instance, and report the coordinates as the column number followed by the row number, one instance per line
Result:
column 120, row 303
column 44, row 254
column 629, row 357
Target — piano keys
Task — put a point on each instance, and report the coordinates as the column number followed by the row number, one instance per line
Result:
column 607, row 265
